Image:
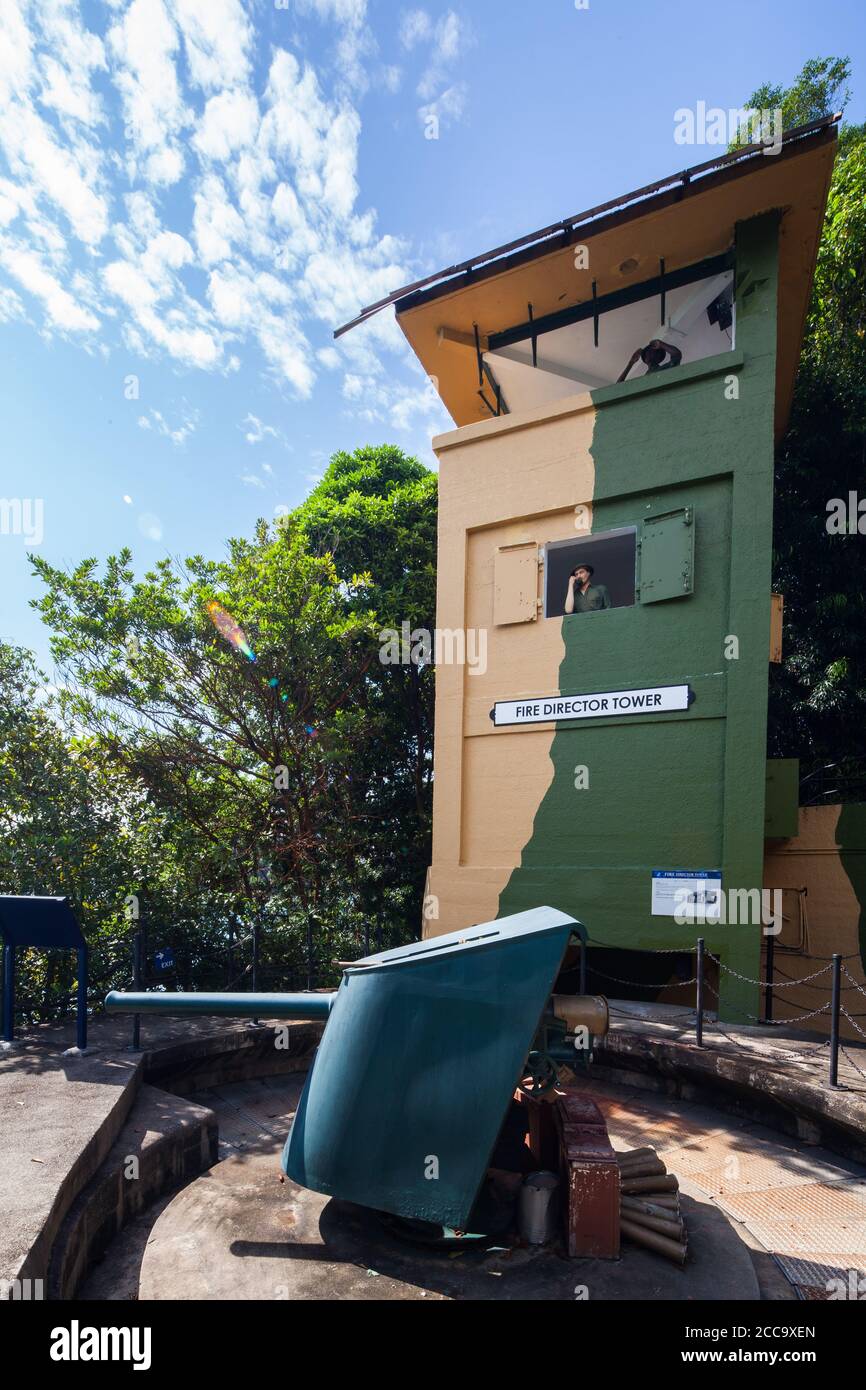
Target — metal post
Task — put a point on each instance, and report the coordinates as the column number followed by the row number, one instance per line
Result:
column 255, row 1021
column 136, row 984
column 583, row 946
column 699, row 995
column 81, row 1011
column 768, row 996
column 835, row 1006
column 8, row 991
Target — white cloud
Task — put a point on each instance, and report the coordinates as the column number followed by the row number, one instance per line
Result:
column 178, row 434
column 448, row 106
column 450, row 35
column 217, row 224
column 218, row 40
column 10, row 305
column 145, row 44
column 447, row 40
column 257, row 430
column 16, row 52
column 319, row 139
column 355, row 43
column 416, row 27
column 400, row 406
column 63, row 311
column 230, row 121
column 342, row 11
column 160, row 193
column 146, row 281
column 69, row 176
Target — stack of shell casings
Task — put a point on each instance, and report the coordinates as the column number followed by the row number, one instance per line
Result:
column 649, row 1204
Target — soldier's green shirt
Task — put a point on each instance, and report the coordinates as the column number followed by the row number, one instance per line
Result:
column 596, row 596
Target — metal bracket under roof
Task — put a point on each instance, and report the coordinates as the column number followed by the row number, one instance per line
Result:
column 616, row 299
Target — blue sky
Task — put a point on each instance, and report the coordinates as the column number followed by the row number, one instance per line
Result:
column 194, row 193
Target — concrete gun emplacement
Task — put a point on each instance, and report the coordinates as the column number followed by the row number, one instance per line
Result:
column 422, row 1051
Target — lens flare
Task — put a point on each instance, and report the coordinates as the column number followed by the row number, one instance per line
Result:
column 229, row 629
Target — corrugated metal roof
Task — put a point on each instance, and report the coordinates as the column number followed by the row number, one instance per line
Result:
column 540, row 241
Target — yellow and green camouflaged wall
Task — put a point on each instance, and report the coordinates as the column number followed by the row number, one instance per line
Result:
column 513, row 825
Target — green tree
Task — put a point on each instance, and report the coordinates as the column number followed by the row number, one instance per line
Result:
column 73, row 825
column 818, row 694
column 245, row 734
column 375, row 512
column 820, row 89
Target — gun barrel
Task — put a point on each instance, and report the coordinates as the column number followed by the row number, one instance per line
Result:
column 293, row 1006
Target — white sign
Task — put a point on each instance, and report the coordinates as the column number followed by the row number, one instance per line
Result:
column 654, row 699
column 687, row 893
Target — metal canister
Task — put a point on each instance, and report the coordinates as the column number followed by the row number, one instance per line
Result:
column 537, row 1208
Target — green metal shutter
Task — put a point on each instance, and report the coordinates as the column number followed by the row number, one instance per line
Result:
column 667, row 556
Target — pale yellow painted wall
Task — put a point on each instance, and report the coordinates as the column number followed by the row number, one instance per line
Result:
column 811, row 860
column 527, row 477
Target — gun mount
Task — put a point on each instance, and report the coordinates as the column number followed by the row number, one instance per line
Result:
column 422, row 1051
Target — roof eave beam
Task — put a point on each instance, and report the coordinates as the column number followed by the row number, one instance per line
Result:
column 615, row 299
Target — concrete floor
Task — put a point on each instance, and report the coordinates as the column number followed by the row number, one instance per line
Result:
column 757, row 1208
column 59, row 1114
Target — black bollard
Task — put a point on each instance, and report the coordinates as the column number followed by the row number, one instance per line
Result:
column 699, row 995
column 768, row 996
column 835, row 1007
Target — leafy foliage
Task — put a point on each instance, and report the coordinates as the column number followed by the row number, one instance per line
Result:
column 273, row 775
column 820, row 89
column 818, row 695
column 375, row 513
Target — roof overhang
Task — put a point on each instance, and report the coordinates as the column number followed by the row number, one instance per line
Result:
column 682, row 220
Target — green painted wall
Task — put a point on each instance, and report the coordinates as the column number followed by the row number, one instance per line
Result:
column 685, row 790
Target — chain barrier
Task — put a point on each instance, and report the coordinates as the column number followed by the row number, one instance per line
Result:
column 855, row 1026
column 739, row 1043
column 765, row 984
column 852, row 955
column 833, row 1006
column 806, row 978
column 813, row 1014
column 647, row 950
column 853, row 985
column 849, row 1059
column 643, row 984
